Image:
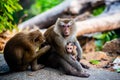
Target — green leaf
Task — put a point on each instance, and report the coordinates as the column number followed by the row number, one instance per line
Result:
column 10, row 16
column 98, row 10
column 94, row 62
column 99, row 42
column 107, row 38
column 99, row 36
column 19, row 7
column 118, row 70
column 9, row 9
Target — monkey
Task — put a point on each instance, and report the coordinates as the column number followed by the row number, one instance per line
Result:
column 23, row 50
column 71, row 49
column 57, row 37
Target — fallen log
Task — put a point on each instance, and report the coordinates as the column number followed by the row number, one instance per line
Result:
column 108, row 20
column 98, row 24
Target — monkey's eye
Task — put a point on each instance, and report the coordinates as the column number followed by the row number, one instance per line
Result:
column 69, row 48
column 65, row 25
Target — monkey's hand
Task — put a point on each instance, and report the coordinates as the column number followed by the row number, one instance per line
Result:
column 73, row 58
column 43, row 50
column 78, row 58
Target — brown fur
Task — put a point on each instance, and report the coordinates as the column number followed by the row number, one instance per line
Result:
column 20, row 50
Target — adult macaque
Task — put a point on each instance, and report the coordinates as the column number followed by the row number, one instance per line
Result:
column 57, row 36
column 71, row 49
column 21, row 51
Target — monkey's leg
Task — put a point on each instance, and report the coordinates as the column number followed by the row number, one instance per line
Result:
column 19, row 68
column 84, row 66
column 35, row 66
column 73, row 63
column 71, row 70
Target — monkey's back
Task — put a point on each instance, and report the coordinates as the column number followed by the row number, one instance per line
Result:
column 15, row 42
column 14, row 48
column 50, row 36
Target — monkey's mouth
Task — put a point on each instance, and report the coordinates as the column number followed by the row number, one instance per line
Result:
column 66, row 33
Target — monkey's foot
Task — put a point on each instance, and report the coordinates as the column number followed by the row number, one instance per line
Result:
column 41, row 66
column 84, row 66
column 37, row 67
column 84, row 74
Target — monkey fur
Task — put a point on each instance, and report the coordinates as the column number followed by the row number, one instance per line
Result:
column 57, row 37
column 21, row 50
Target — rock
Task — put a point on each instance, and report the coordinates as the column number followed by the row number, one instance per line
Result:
column 112, row 47
column 116, row 63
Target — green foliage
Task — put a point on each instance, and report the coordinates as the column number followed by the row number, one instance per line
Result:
column 94, row 62
column 104, row 37
column 40, row 6
column 118, row 70
column 7, row 8
column 37, row 7
column 98, row 10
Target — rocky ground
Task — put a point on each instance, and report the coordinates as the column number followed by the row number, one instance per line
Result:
column 52, row 74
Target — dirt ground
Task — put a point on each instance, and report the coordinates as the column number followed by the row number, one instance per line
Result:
column 89, row 54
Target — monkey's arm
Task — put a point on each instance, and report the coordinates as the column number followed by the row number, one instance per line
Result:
column 72, row 62
column 41, row 51
column 79, row 50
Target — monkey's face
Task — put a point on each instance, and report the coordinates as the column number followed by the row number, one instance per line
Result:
column 69, row 48
column 66, row 27
column 36, row 38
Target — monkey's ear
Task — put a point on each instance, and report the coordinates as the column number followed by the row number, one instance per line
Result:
column 58, row 20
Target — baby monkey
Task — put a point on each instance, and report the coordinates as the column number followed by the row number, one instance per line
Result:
column 71, row 49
